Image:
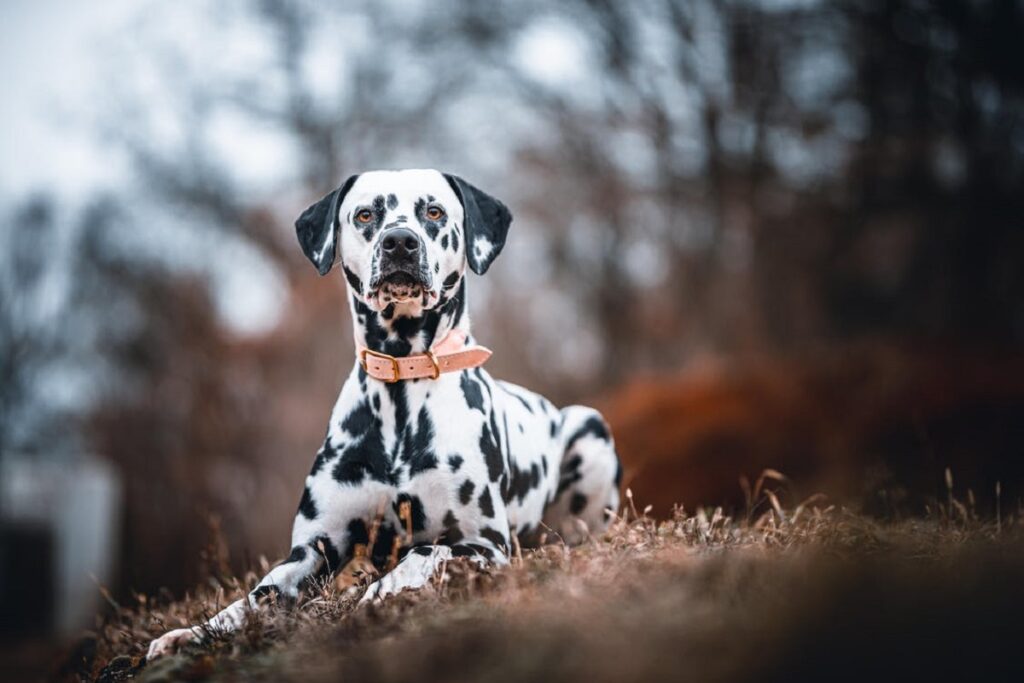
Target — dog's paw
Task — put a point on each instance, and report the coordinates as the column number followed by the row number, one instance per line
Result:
column 372, row 594
column 416, row 571
column 171, row 642
column 386, row 587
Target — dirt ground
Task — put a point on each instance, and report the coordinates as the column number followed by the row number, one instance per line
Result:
column 812, row 593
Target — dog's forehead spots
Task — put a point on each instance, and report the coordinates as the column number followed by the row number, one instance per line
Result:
column 398, row 189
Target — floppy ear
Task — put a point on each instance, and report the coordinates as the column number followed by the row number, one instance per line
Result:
column 317, row 228
column 486, row 222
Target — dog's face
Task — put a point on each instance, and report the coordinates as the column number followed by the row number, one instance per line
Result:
column 401, row 237
column 404, row 237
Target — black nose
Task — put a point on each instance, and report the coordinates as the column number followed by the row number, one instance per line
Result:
column 400, row 243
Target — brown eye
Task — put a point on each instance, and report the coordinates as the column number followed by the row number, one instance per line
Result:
column 364, row 216
column 435, row 213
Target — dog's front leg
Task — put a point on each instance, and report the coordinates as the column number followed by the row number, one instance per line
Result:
column 424, row 562
column 283, row 582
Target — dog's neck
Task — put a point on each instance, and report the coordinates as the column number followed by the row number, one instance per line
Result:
column 396, row 334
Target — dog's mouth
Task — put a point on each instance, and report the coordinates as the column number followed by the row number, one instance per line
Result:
column 401, row 287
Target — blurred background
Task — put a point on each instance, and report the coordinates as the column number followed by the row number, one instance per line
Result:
column 758, row 233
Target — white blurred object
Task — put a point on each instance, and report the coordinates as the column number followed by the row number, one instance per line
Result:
column 78, row 501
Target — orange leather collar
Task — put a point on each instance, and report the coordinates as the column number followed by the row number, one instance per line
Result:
column 451, row 354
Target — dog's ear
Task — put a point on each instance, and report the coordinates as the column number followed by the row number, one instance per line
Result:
column 486, row 222
column 318, row 231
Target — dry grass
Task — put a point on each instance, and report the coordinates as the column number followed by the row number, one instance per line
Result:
column 814, row 593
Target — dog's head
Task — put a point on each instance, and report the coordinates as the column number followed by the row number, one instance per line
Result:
column 404, row 237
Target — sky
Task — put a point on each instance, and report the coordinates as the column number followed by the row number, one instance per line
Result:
column 51, row 54
column 48, row 52
column 50, row 64
column 54, row 64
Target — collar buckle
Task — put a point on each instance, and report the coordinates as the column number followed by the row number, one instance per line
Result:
column 363, row 353
column 433, row 359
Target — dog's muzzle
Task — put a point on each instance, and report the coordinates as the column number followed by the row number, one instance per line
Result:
column 402, row 274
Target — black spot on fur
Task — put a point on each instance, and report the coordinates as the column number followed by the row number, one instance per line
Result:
column 491, row 451
column 374, row 332
column 444, row 241
column 419, row 517
column 458, row 304
column 307, row 508
column 298, row 554
column 452, row 533
column 424, row 550
column 451, row 280
column 577, row 503
column 522, row 400
column 364, row 455
column 495, row 537
column 353, row 280
column 431, row 227
column 472, row 549
column 380, row 555
column 323, row 456
column 594, row 426
column 466, row 491
column 392, row 201
column 570, row 473
column 416, row 447
column 471, row 391
column 358, row 534
column 520, row 483
column 378, row 211
column 322, row 544
column 265, row 594
column 454, row 463
column 486, row 504
column 396, row 393
column 359, row 420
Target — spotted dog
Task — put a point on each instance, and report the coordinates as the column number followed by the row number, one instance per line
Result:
column 424, row 450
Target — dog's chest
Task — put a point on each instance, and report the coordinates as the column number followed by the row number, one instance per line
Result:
column 461, row 453
column 431, row 437
column 486, row 444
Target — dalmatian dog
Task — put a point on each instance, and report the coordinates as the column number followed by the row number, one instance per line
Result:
column 426, row 457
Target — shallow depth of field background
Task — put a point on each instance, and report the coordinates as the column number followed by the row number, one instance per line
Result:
column 758, row 234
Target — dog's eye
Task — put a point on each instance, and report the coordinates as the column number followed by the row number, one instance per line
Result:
column 364, row 216
column 435, row 213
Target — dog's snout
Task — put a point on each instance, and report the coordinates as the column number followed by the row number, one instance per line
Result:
column 400, row 242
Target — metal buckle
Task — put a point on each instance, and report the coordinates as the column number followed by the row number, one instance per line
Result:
column 433, row 359
column 376, row 354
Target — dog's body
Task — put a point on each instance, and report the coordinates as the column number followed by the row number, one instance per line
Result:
column 461, row 460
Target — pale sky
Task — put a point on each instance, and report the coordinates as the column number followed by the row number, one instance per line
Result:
column 55, row 66
column 48, row 64
column 51, row 55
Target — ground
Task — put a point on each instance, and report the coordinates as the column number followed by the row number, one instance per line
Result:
column 813, row 593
